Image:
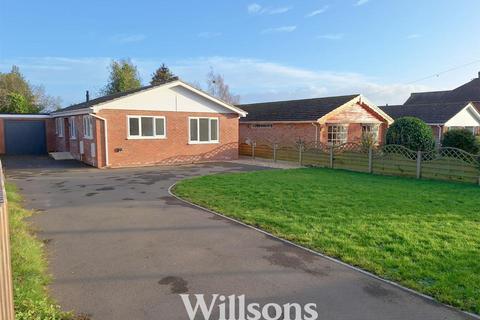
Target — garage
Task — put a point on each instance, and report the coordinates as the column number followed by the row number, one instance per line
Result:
column 23, row 135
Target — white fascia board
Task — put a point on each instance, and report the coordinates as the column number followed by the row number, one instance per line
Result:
column 267, row 122
column 71, row 112
column 25, row 116
column 472, row 111
column 241, row 112
column 376, row 109
column 360, row 99
column 175, row 83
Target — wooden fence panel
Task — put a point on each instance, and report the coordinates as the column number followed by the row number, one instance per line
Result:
column 351, row 160
column 317, row 158
column 264, row 151
column 245, row 149
column 443, row 164
column 391, row 167
column 450, row 169
column 6, row 287
column 287, row 154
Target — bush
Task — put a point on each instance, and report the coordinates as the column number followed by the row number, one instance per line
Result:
column 411, row 133
column 461, row 139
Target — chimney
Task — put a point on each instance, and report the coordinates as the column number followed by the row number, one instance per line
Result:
column 87, row 96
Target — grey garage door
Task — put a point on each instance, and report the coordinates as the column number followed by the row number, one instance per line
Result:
column 25, row 137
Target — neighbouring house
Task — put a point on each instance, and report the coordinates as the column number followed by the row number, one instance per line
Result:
column 443, row 110
column 441, row 117
column 329, row 120
column 163, row 124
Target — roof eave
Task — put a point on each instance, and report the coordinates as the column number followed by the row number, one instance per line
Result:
column 72, row 112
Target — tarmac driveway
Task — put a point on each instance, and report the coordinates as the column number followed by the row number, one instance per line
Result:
column 121, row 248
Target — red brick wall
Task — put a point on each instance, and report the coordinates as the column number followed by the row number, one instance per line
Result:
column 279, row 132
column 175, row 148
column 50, row 132
column 436, row 130
column 290, row 132
column 66, row 144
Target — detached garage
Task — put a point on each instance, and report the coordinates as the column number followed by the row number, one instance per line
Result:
column 25, row 134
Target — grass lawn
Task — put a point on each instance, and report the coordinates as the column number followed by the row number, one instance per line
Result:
column 422, row 234
column 29, row 267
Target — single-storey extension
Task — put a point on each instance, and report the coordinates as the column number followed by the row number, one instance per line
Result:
column 32, row 134
column 329, row 120
column 162, row 124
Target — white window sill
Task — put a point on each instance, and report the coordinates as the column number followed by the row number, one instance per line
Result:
column 147, row 138
column 88, row 138
column 203, row 142
column 73, row 138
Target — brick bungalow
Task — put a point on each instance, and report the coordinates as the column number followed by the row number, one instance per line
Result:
column 330, row 120
column 443, row 110
column 163, row 124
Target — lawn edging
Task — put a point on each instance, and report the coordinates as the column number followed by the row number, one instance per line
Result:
column 367, row 273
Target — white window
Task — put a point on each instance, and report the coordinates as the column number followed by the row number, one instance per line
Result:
column 472, row 129
column 72, row 127
column 370, row 129
column 59, row 126
column 144, row 127
column 87, row 127
column 203, row 130
column 337, row 134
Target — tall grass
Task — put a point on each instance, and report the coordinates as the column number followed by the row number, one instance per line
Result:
column 29, row 267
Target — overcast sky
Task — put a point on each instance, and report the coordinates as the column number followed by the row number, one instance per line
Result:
column 267, row 50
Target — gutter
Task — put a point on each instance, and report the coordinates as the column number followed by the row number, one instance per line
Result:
column 106, row 137
column 24, row 116
column 71, row 113
column 267, row 122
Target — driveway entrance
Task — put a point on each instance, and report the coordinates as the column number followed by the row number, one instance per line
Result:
column 121, row 248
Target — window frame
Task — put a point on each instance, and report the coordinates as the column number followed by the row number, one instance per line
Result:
column 72, row 127
column 60, row 126
column 334, row 141
column 210, row 141
column 373, row 128
column 87, row 123
column 140, row 137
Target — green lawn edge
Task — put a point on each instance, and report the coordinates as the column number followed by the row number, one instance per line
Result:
column 29, row 266
column 464, row 294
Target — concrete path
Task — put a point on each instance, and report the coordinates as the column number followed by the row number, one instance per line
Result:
column 121, row 248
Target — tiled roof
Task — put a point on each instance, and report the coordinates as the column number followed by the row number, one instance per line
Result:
column 470, row 91
column 293, row 110
column 434, row 113
column 426, row 97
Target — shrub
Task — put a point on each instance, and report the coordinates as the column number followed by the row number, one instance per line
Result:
column 461, row 139
column 411, row 133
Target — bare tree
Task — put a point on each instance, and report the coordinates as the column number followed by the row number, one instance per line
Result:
column 217, row 87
